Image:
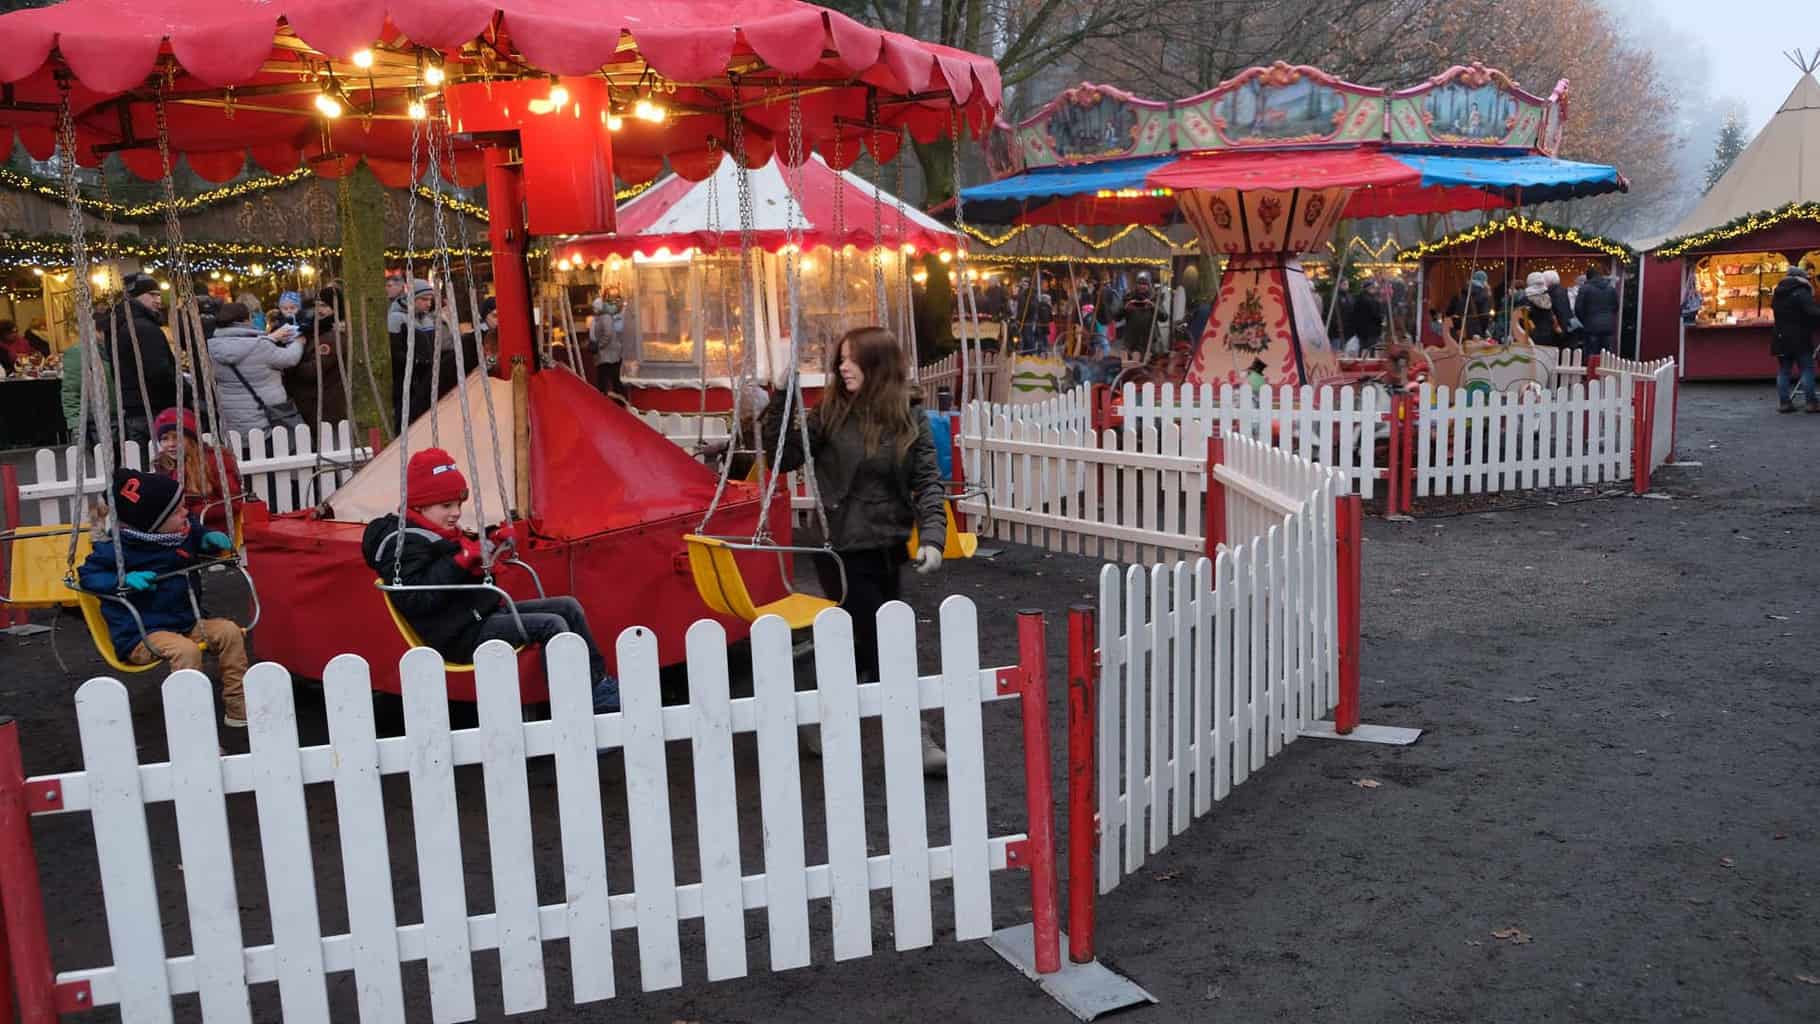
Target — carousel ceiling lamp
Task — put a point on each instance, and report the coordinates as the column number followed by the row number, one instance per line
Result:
column 363, row 59
column 615, row 122
column 646, row 110
column 433, row 75
column 328, row 106
column 417, row 110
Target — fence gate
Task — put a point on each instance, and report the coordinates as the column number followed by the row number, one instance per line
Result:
column 597, row 892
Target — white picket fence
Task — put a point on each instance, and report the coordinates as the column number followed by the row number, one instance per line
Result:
column 946, row 372
column 686, row 430
column 1667, row 379
column 1209, row 668
column 1477, row 442
column 1068, row 411
column 284, row 469
column 1338, row 428
column 145, row 974
column 1126, row 496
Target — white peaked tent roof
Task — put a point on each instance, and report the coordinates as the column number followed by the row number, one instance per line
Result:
column 373, row 490
column 1780, row 166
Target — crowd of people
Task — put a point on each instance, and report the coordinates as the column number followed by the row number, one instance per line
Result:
column 1090, row 316
column 1583, row 317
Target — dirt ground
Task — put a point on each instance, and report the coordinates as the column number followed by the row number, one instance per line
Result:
column 1620, row 763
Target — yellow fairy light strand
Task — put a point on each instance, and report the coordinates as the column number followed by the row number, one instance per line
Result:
column 1740, row 227
column 1527, row 225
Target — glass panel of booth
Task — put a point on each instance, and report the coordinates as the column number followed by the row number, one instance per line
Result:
column 1735, row 287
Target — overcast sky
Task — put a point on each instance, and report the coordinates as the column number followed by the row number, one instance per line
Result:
column 1743, row 42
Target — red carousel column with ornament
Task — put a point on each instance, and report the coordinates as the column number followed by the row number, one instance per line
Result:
column 1266, row 319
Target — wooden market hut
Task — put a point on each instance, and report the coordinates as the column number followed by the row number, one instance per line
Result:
column 1706, row 289
column 1508, row 250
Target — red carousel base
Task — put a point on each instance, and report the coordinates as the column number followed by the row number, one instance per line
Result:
column 319, row 599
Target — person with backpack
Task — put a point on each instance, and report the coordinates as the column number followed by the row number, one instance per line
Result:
column 1792, row 343
column 1596, row 307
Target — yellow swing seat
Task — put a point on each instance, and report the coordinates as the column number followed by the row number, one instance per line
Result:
column 723, row 588
column 36, row 564
column 959, row 545
column 104, row 641
column 409, row 632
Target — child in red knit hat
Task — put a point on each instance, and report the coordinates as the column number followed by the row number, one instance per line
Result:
column 437, row 553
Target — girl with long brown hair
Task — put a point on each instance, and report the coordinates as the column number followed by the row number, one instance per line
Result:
column 874, row 462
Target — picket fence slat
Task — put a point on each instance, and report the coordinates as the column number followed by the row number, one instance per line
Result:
column 365, row 859
column 435, row 824
column 584, row 860
column 296, row 927
column 907, row 819
column 837, row 681
column 967, row 826
column 209, row 890
column 648, row 814
column 509, row 827
column 780, row 794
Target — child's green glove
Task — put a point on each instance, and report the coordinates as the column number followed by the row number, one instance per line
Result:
column 215, row 540
column 140, row 579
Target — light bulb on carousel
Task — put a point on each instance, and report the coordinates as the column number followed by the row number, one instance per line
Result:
column 362, row 59
column 328, row 105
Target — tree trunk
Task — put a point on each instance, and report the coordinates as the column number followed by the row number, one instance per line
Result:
column 935, row 321
column 363, row 281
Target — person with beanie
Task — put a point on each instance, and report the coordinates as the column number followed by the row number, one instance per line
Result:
column 207, row 485
column 1792, row 342
column 607, row 337
column 1470, row 310
column 1546, row 326
column 430, row 549
column 159, row 539
column 290, row 311
column 316, row 384
column 131, row 338
column 421, row 336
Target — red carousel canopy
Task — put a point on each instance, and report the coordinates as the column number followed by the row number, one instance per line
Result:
column 675, row 214
column 245, row 76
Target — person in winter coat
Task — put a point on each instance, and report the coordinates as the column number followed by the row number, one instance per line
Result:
column 315, row 383
column 1138, row 334
column 875, row 466
column 131, row 335
column 1470, row 311
column 249, row 371
column 1367, row 322
column 607, row 337
column 290, row 311
column 421, row 337
column 1797, row 316
column 1563, row 300
column 1596, row 308
column 431, row 550
column 207, row 486
column 1546, row 326
column 159, row 537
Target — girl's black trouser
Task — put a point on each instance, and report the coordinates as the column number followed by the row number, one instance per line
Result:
column 874, row 576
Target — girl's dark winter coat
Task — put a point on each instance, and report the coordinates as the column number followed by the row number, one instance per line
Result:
column 872, row 499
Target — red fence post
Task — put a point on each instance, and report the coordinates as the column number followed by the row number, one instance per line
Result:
column 958, row 465
column 1412, row 412
column 1348, row 523
column 1039, row 790
column 1642, row 430
column 1393, row 458
column 9, row 616
column 28, row 948
column 1083, row 818
column 1214, row 528
column 1100, row 407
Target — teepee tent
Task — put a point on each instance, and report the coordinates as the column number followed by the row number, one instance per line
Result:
column 1706, row 289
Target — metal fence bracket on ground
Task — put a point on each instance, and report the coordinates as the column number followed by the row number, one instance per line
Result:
column 1089, row 991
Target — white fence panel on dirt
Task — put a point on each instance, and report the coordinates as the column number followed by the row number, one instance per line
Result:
column 1211, row 667
column 1337, row 428
column 285, row 469
column 1478, row 443
column 1666, row 377
column 1131, row 496
column 146, row 973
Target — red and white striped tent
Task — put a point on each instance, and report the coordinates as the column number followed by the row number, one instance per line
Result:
column 835, row 208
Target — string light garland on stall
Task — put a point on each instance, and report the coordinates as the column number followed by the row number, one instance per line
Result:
column 1739, row 227
column 1527, row 225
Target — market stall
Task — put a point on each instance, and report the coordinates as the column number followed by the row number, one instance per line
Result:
column 1706, row 289
column 1507, row 250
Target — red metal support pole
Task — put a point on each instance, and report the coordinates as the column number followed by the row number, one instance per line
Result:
column 1039, row 789
column 1642, row 433
column 511, row 278
column 28, row 948
column 9, row 616
column 1393, row 458
column 959, row 466
column 1101, row 402
column 1083, row 818
column 1348, row 523
column 1412, row 411
column 1214, row 529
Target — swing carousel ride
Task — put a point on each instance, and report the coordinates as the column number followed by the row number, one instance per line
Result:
column 676, row 260
column 1264, row 167
column 549, row 102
